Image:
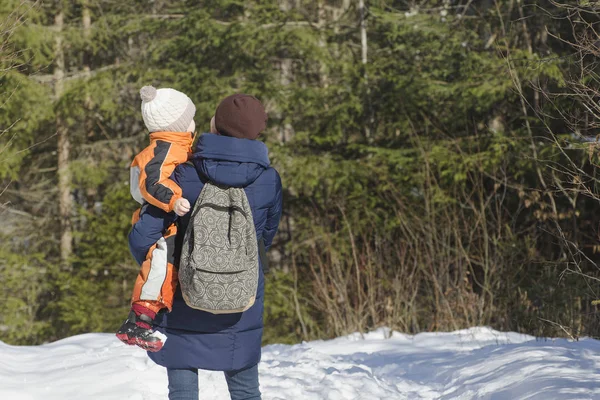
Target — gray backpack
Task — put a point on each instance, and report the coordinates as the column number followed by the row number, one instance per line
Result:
column 219, row 266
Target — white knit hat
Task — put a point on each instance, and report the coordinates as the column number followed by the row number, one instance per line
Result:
column 166, row 110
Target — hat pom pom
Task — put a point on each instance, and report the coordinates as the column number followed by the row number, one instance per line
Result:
column 148, row 93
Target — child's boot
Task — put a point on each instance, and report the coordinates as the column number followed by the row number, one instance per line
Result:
column 137, row 329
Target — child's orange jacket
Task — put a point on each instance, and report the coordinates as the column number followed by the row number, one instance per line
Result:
column 151, row 169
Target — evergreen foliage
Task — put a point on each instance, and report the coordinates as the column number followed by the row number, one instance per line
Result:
column 423, row 188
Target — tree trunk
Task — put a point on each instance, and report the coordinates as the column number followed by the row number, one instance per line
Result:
column 65, row 201
column 286, row 131
column 321, row 21
column 363, row 32
column 86, row 18
column 364, row 60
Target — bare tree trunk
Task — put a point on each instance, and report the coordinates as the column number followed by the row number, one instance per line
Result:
column 86, row 18
column 363, row 31
column 286, row 131
column 64, row 177
column 321, row 20
column 364, row 60
column 529, row 42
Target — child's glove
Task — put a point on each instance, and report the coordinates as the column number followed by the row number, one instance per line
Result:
column 181, row 206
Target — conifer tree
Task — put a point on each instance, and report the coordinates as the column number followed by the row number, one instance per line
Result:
column 439, row 218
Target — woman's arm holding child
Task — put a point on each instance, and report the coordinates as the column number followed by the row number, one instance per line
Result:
column 148, row 230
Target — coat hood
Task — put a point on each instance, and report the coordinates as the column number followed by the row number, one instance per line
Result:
column 230, row 161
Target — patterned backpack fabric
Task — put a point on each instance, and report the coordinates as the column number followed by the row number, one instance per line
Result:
column 219, row 266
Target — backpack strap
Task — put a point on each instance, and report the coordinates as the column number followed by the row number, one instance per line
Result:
column 262, row 254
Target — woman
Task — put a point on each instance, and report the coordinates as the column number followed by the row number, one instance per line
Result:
column 196, row 339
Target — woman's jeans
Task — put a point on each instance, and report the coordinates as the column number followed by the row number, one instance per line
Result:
column 242, row 384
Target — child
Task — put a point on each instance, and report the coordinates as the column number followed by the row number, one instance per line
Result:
column 169, row 116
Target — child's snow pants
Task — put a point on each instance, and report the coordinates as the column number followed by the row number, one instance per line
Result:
column 157, row 280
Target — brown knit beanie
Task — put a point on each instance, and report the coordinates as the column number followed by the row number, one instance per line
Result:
column 241, row 116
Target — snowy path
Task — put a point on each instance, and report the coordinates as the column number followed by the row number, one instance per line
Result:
column 478, row 363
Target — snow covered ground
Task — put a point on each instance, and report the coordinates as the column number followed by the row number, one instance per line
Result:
column 477, row 363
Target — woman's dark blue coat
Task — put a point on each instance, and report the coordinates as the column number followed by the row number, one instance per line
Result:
column 198, row 339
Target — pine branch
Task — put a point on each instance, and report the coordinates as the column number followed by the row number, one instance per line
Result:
column 290, row 24
column 51, row 78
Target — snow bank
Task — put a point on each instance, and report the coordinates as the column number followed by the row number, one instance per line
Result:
column 477, row 363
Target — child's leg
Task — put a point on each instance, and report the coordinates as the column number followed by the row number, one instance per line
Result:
column 157, row 280
column 153, row 291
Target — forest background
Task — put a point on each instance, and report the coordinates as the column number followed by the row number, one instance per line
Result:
column 438, row 157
